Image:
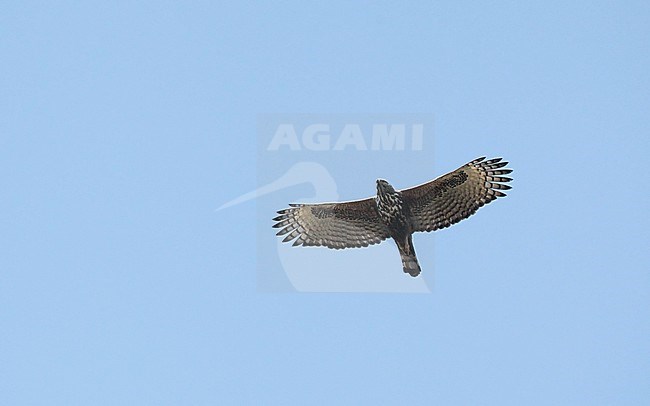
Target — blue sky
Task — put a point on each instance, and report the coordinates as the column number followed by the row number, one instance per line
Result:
column 126, row 125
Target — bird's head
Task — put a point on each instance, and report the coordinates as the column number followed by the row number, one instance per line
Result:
column 384, row 187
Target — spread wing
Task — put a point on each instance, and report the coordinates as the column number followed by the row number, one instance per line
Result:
column 333, row 225
column 457, row 195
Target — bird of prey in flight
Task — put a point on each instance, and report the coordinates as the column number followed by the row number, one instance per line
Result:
column 396, row 213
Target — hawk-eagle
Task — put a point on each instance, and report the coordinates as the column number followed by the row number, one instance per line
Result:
column 396, row 213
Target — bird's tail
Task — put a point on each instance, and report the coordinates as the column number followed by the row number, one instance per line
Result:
column 409, row 260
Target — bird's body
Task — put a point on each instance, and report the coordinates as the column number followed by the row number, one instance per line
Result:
column 396, row 214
